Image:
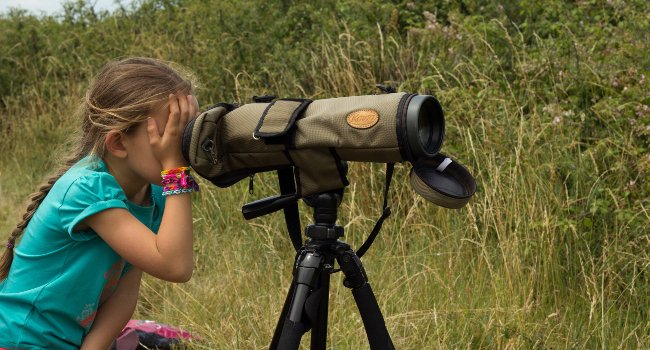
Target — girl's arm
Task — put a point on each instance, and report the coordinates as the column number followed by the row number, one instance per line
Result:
column 113, row 315
column 167, row 255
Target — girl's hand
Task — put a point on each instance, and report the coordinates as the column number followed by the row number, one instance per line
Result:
column 167, row 147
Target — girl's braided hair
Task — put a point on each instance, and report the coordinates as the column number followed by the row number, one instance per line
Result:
column 121, row 95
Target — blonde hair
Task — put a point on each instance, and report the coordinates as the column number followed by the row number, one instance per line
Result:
column 121, row 95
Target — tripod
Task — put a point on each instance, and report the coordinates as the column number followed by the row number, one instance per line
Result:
column 306, row 304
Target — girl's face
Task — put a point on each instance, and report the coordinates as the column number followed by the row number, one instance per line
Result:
column 141, row 159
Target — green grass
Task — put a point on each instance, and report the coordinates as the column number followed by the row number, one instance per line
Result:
column 547, row 104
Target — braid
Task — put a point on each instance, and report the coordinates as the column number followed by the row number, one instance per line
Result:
column 36, row 199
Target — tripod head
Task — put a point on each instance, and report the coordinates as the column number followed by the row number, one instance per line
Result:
column 325, row 213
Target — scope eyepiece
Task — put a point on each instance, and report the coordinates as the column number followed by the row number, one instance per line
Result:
column 425, row 127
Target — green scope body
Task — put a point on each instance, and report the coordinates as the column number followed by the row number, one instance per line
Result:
column 228, row 143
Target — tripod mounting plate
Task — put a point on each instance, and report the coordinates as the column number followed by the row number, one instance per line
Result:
column 322, row 232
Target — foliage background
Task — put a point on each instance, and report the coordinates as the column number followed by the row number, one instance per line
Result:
column 547, row 103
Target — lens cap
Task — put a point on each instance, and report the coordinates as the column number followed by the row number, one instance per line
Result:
column 442, row 181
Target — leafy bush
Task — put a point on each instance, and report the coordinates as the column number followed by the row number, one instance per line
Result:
column 547, row 103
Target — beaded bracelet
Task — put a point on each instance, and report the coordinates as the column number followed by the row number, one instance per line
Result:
column 170, row 192
column 177, row 181
column 176, row 171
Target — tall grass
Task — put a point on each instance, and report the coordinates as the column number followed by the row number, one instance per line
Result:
column 550, row 115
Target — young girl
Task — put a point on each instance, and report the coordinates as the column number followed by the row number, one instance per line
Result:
column 72, row 282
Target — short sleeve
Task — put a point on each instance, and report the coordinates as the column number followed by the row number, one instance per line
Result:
column 86, row 196
column 159, row 202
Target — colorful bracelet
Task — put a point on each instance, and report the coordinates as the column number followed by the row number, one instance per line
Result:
column 170, row 192
column 177, row 181
column 175, row 171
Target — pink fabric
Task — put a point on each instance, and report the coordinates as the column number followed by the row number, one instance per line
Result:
column 157, row 328
column 127, row 341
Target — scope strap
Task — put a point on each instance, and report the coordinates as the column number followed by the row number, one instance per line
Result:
column 390, row 167
column 278, row 118
column 291, row 217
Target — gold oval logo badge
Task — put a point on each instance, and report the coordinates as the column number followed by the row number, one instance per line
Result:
column 363, row 118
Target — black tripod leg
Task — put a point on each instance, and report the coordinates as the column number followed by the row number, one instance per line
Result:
column 293, row 324
column 291, row 335
column 317, row 310
column 373, row 320
column 282, row 322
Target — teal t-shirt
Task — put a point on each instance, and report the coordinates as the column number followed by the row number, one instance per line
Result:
column 59, row 277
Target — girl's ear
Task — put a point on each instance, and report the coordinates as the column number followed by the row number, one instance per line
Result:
column 115, row 144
